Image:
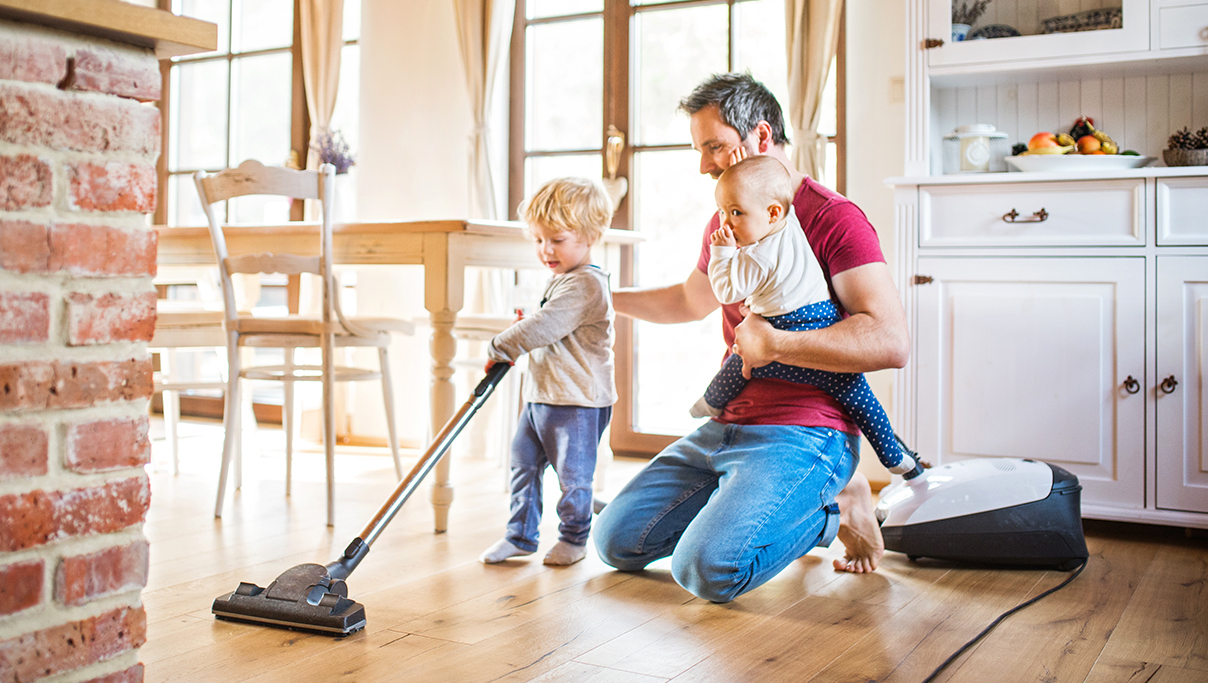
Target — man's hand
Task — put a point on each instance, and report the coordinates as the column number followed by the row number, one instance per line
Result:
column 753, row 341
column 723, row 236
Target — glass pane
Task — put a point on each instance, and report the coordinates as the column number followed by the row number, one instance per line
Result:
column 538, row 170
column 260, row 114
column 352, row 19
column 673, row 203
column 540, row 9
column 199, row 116
column 263, row 25
column 259, row 208
column 676, row 49
column 184, row 206
column 830, row 172
column 214, row 11
column 564, row 106
column 345, row 117
column 829, row 125
column 759, row 46
column 972, row 20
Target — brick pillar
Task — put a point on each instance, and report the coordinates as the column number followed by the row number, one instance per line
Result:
column 79, row 139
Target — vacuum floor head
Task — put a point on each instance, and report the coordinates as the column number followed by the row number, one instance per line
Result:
column 1008, row 511
column 303, row 598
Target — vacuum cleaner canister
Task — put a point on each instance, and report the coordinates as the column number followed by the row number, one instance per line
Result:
column 991, row 510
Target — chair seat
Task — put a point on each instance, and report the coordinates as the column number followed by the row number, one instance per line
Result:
column 309, row 373
column 312, row 325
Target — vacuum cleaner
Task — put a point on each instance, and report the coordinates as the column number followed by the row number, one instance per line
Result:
column 1007, row 511
column 314, row 597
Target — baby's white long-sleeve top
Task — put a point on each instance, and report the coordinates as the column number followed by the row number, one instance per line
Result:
column 776, row 275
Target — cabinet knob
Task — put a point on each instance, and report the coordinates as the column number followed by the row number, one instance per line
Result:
column 1131, row 385
column 1169, row 384
column 1013, row 217
column 932, row 43
column 923, row 279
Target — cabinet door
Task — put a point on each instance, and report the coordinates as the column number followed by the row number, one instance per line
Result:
column 1024, row 23
column 1182, row 354
column 1028, row 358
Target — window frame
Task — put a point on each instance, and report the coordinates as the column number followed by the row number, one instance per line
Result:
column 618, row 18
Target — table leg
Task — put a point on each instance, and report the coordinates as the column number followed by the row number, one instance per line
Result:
column 443, row 405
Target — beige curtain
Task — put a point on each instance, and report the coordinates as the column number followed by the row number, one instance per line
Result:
column 322, row 40
column 811, row 37
column 484, row 32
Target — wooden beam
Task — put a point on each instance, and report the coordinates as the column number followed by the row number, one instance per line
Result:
column 164, row 32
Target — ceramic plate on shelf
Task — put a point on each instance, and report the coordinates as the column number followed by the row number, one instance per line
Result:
column 1076, row 162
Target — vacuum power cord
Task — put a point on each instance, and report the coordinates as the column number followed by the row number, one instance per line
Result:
column 1000, row 619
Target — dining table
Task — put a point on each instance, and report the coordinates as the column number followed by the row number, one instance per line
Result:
column 444, row 248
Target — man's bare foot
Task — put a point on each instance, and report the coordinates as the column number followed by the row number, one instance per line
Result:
column 858, row 528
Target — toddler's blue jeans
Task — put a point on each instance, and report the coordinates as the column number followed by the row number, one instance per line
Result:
column 732, row 505
column 565, row 437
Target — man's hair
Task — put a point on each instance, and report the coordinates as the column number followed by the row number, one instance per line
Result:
column 577, row 205
column 742, row 101
column 763, row 176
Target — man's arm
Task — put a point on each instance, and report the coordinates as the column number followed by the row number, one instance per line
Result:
column 680, row 303
column 875, row 337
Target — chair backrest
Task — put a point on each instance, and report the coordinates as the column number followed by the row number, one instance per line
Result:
column 253, row 178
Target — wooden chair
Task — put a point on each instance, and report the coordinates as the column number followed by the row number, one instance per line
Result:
column 182, row 326
column 327, row 331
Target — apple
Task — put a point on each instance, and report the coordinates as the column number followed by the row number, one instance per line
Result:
column 1088, row 144
column 1042, row 140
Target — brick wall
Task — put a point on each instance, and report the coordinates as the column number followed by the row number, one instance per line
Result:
column 78, row 146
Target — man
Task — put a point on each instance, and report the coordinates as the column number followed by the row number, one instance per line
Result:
column 744, row 495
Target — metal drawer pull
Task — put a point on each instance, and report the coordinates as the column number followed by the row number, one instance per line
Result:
column 1169, row 384
column 1037, row 217
column 1131, row 385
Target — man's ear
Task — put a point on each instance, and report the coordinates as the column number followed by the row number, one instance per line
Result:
column 763, row 137
column 775, row 211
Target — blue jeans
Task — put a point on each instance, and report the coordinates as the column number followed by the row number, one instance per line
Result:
column 566, row 437
column 732, row 505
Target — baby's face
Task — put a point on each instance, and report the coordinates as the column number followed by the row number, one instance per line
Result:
column 745, row 213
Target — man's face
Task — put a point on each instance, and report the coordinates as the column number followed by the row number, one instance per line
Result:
column 716, row 141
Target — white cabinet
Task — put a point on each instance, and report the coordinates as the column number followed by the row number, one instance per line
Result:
column 1180, row 386
column 1060, row 315
column 1032, row 358
column 1030, row 19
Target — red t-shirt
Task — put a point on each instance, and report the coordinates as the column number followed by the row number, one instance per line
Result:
column 842, row 238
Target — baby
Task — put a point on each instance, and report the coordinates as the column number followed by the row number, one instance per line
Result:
column 760, row 255
column 569, row 390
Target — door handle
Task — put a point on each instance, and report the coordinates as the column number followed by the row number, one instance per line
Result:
column 1012, row 216
column 1131, row 385
column 1169, row 384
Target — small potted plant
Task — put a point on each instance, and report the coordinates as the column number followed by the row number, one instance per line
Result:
column 333, row 149
column 1185, row 148
column 964, row 16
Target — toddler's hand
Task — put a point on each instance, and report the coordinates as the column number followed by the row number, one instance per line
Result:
column 723, row 237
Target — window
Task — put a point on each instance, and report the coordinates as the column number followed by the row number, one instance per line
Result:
column 246, row 100
column 579, row 66
column 243, row 101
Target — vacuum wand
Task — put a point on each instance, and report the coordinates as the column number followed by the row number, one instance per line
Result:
column 356, row 551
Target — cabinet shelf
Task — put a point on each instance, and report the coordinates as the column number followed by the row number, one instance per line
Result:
column 1044, row 177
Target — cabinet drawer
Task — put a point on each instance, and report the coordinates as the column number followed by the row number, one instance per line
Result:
column 1182, row 207
column 1183, row 24
column 1073, row 214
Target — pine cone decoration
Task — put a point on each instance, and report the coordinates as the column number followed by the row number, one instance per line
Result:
column 1181, row 139
column 1200, row 139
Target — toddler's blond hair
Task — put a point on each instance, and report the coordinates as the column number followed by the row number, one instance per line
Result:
column 762, row 175
column 576, row 205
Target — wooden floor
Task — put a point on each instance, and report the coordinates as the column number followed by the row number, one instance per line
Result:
column 1139, row 612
